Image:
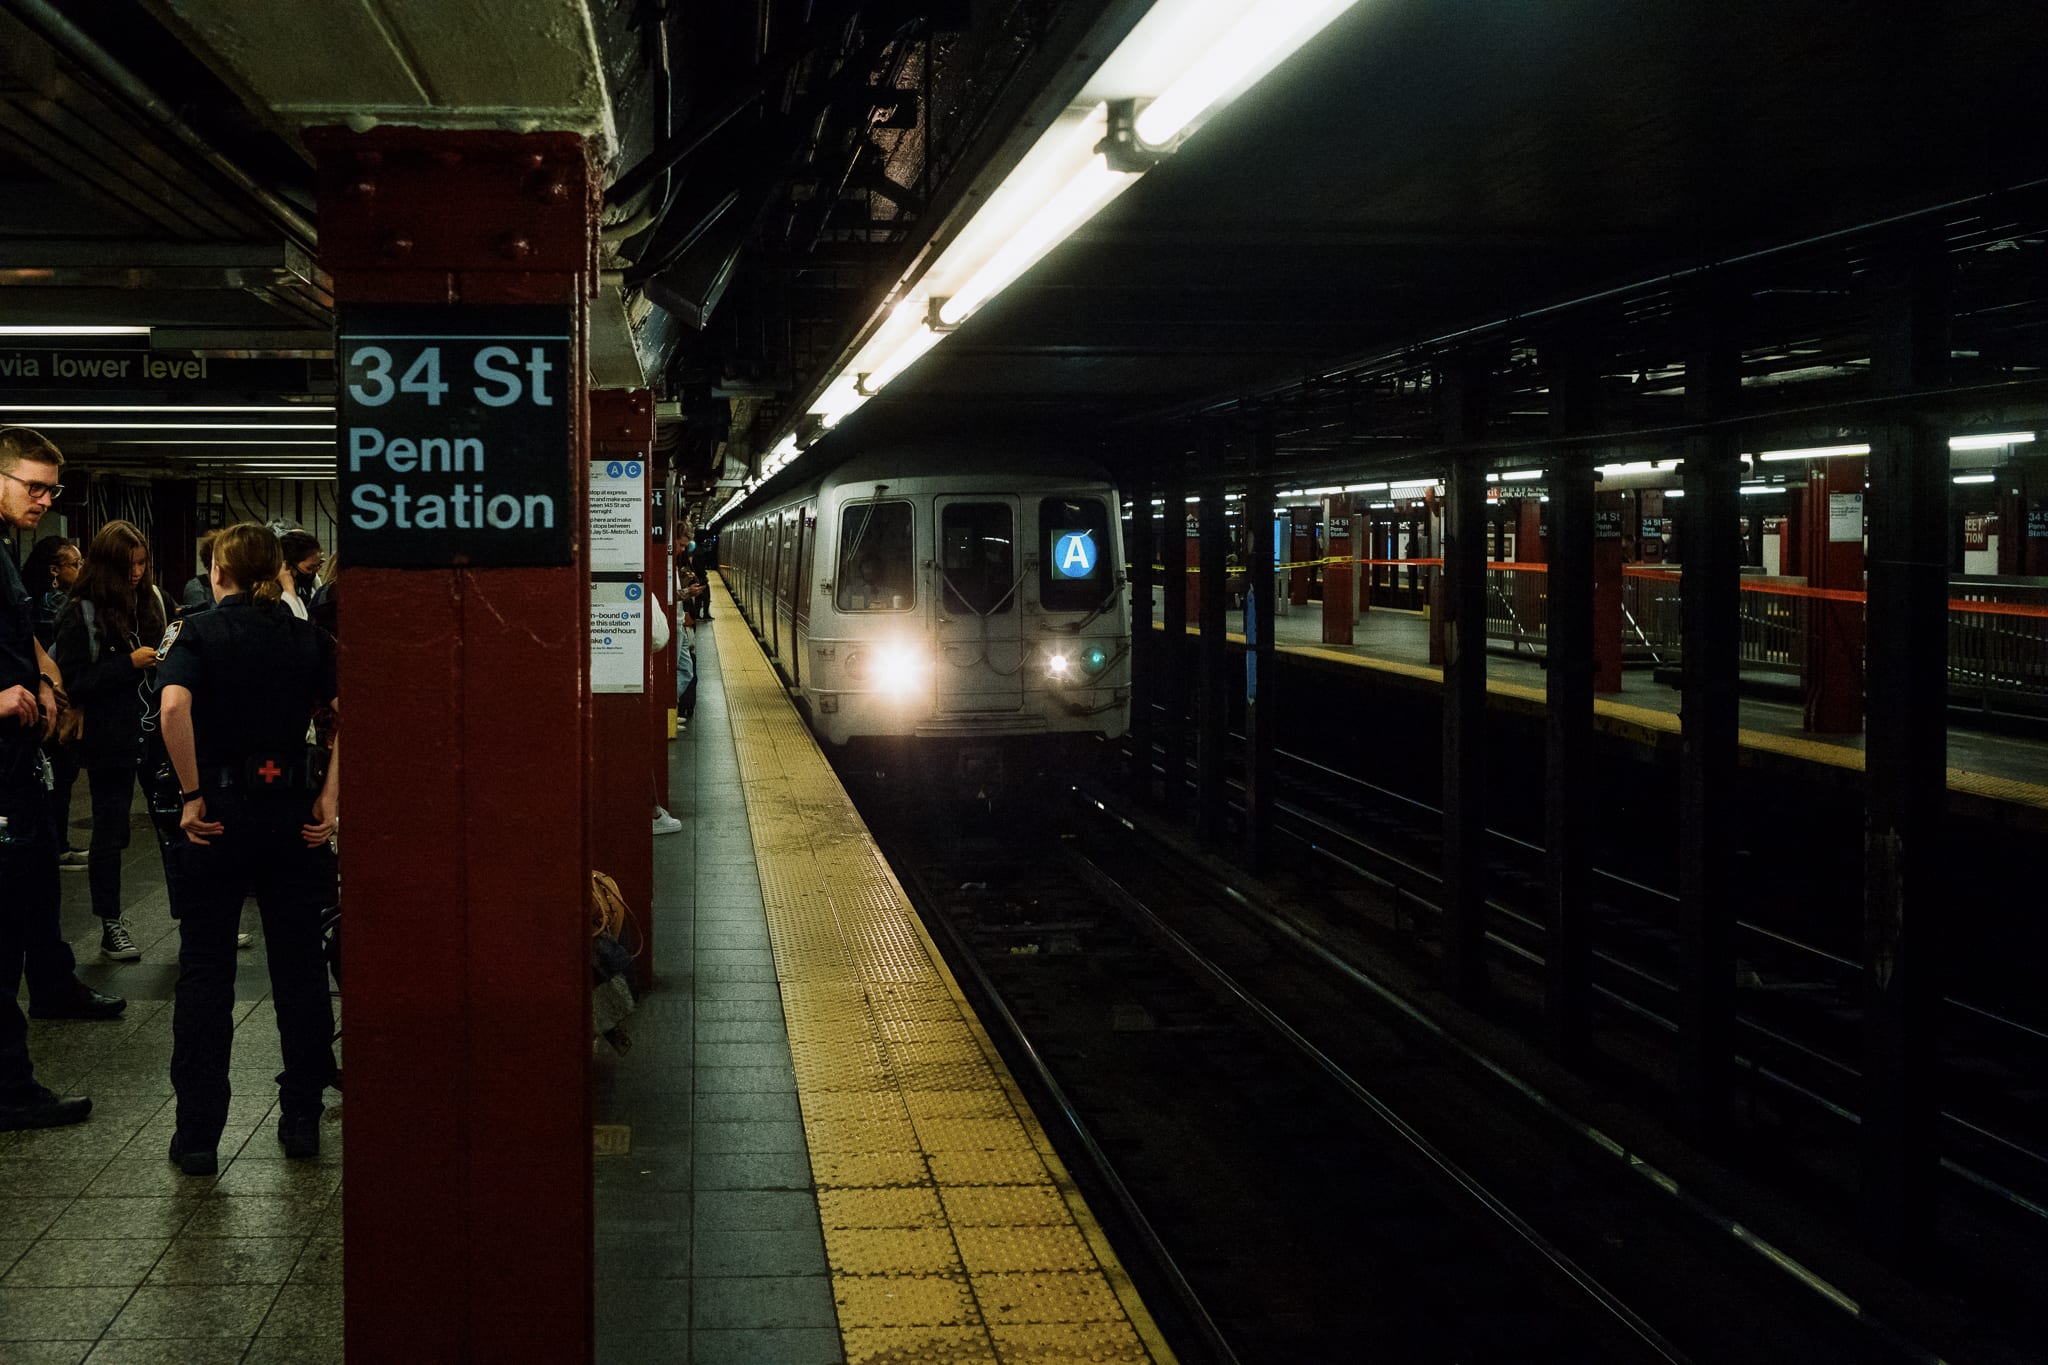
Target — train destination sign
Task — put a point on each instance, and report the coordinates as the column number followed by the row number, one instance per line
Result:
column 455, row 432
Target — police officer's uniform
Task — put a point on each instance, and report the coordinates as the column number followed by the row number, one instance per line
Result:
column 28, row 860
column 256, row 674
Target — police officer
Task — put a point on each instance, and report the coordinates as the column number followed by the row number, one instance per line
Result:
column 240, row 683
column 29, row 466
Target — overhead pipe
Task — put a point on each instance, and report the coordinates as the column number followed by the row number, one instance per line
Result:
column 79, row 47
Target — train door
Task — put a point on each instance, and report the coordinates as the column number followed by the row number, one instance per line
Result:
column 772, row 583
column 800, row 594
column 980, row 632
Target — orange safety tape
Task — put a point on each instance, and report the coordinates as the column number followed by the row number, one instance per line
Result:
column 1966, row 606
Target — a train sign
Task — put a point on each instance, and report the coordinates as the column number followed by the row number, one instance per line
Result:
column 455, row 436
column 1073, row 554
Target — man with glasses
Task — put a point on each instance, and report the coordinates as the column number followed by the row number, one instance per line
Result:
column 29, row 465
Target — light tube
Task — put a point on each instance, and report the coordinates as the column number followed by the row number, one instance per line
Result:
column 1364, row 487
column 1412, row 483
column 1752, row 489
column 1075, row 203
column 1815, row 453
column 1975, row 478
column 185, row 426
column 1674, row 492
column 1521, row 476
column 21, row 330
column 164, row 407
column 1262, row 39
column 1990, row 441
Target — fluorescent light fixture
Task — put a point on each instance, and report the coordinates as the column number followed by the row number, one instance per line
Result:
column 1412, row 483
column 1990, row 441
column 21, row 330
column 1364, row 487
column 1323, row 492
column 1816, row 453
column 1261, row 39
column 1753, row 489
column 1517, row 476
column 185, row 426
column 165, row 407
column 1674, row 492
column 1183, row 60
column 1633, row 467
column 212, row 441
column 1975, row 478
column 1383, row 506
column 1233, row 497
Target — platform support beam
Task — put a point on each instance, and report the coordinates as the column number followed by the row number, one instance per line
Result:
column 1145, row 650
column 1212, row 756
column 1906, row 763
column 1709, row 592
column 1464, row 689
column 470, row 1211
column 1568, row 706
column 622, row 759
column 1173, row 638
column 1261, row 685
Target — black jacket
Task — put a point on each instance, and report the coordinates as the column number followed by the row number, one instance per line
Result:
column 108, row 689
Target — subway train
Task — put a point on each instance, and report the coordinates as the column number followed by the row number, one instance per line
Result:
column 977, row 619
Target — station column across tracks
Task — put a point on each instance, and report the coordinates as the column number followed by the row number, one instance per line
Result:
column 462, row 262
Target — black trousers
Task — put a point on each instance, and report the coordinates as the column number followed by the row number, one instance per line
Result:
column 28, row 913
column 64, row 764
column 292, row 884
column 113, row 793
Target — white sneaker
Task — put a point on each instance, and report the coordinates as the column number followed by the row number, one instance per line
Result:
column 664, row 823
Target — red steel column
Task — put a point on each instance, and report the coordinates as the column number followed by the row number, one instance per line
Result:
column 1834, row 631
column 1607, row 620
column 1338, row 574
column 622, row 762
column 468, row 1167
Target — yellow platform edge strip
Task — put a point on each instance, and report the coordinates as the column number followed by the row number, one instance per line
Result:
column 1645, row 723
column 797, row 783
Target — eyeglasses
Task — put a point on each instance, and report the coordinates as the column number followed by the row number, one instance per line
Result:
column 36, row 490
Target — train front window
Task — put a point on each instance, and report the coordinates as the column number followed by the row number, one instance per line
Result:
column 875, row 557
column 979, row 553
column 1074, row 568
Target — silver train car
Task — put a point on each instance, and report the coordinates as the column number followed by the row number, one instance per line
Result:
column 961, row 611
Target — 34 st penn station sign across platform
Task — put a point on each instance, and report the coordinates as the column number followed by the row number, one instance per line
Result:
column 455, row 432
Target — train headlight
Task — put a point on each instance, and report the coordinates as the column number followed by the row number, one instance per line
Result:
column 1059, row 667
column 897, row 670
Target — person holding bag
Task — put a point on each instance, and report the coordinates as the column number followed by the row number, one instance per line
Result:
column 113, row 610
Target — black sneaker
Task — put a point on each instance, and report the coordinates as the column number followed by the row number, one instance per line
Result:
column 115, row 944
column 82, row 1003
column 193, row 1160
column 300, row 1134
column 42, row 1109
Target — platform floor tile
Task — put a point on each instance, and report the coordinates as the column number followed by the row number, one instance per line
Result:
column 951, row 1231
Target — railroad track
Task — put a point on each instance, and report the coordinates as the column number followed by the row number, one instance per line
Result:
column 1301, row 1197
column 1799, row 1016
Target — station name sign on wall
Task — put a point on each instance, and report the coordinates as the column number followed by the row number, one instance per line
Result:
column 456, row 426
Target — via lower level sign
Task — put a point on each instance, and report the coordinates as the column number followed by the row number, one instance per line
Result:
column 456, row 434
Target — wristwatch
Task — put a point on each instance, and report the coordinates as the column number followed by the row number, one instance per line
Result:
column 187, row 798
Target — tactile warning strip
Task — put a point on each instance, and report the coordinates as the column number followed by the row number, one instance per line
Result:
column 952, row 1230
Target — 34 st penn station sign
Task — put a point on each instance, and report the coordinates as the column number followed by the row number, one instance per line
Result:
column 456, row 429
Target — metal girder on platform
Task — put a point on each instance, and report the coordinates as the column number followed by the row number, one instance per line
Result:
column 1708, row 741
column 1464, row 718
column 1570, row 791
column 1906, row 682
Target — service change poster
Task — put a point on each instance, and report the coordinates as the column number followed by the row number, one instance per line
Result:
column 618, row 637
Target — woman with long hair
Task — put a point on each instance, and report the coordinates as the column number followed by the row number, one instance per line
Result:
column 106, row 645
column 257, row 807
